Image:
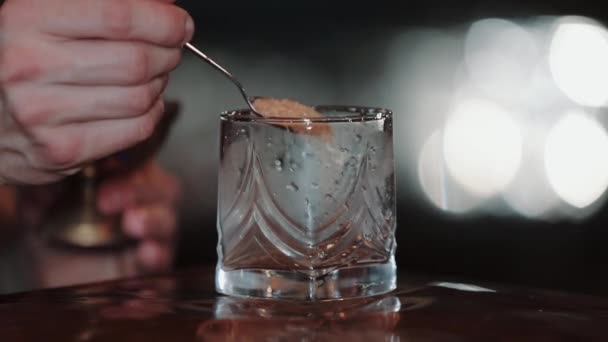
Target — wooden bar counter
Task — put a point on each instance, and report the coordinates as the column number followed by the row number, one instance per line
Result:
column 183, row 306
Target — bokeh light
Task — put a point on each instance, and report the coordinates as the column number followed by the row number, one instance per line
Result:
column 500, row 57
column 530, row 193
column 482, row 146
column 419, row 71
column 579, row 60
column 481, row 130
column 576, row 159
column 436, row 182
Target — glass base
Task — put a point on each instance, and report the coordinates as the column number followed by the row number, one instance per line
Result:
column 348, row 282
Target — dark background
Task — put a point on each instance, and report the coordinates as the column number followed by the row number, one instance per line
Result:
column 324, row 35
column 377, row 13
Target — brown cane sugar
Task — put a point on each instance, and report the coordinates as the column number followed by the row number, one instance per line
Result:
column 285, row 108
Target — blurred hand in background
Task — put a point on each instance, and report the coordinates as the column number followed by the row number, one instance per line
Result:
column 145, row 198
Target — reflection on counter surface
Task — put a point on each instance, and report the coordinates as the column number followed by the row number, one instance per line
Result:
column 182, row 307
column 30, row 262
column 258, row 320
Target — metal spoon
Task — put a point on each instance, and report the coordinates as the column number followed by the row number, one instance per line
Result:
column 239, row 85
column 300, row 123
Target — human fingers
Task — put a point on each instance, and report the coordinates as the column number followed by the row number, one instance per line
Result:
column 68, row 104
column 153, row 222
column 155, row 22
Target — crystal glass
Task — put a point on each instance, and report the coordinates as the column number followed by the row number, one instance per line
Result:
column 306, row 207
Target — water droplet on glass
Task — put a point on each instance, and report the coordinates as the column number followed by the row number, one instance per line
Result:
column 330, row 246
column 308, row 155
column 322, row 255
column 358, row 138
column 269, row 144
column 292, row 187
column 344, row 255
column 293, row 166
column 308, row 124
column 344, row 150
column 367, row 236
column 314, row 185
column 307, row 202
column 278, row 165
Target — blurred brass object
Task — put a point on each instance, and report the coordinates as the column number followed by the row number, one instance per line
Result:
column 77, row 222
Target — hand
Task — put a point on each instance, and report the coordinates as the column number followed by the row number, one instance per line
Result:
column 147, row 200
column 80, row 80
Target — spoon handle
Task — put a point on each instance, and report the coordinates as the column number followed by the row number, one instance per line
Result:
column 226, row 73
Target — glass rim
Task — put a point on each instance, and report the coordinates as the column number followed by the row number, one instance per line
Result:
column 346, row 114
